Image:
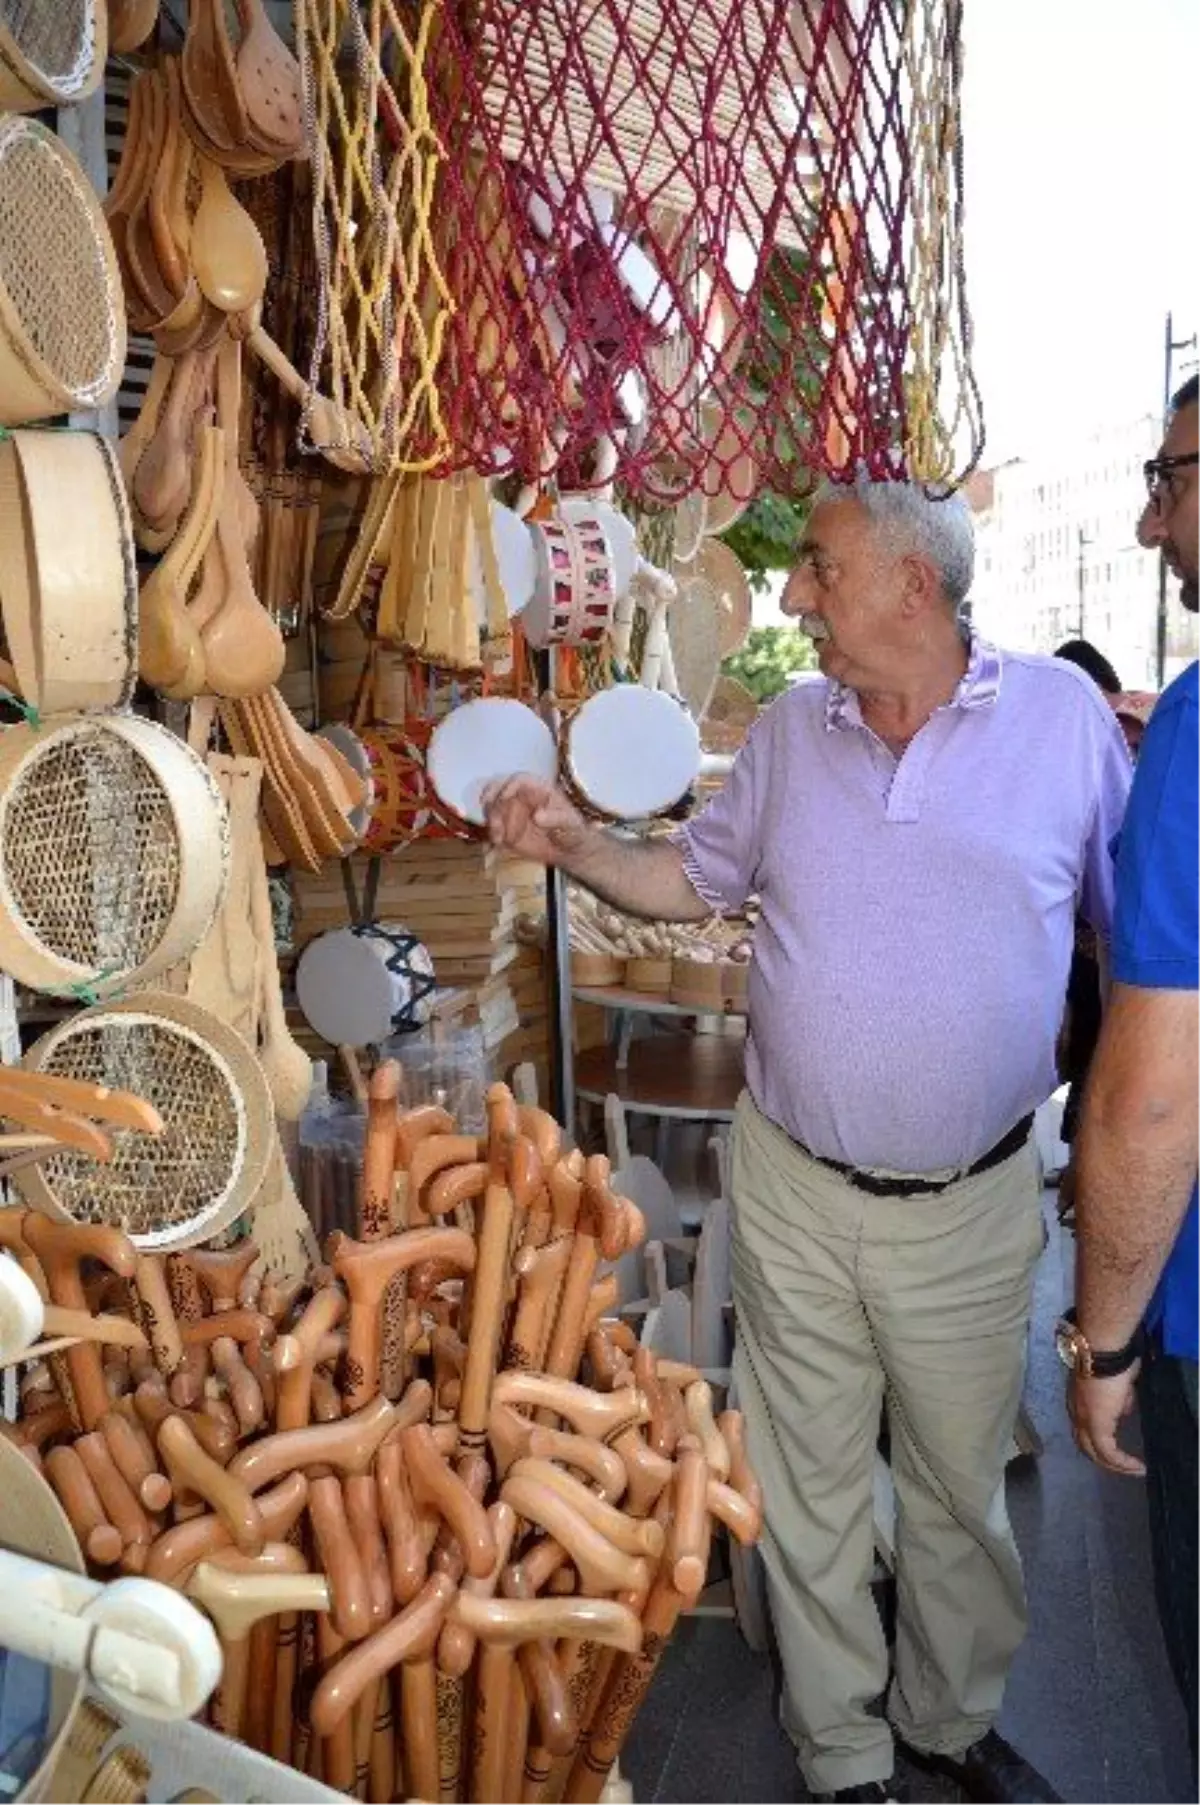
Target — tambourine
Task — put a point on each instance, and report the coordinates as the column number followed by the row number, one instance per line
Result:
column 483, row 742
column 573, row 599
column 629, row 753
column 358, row 986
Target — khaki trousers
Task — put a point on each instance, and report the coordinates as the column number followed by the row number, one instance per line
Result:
column 843, row 1301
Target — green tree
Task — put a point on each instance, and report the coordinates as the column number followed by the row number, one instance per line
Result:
column 770, row 657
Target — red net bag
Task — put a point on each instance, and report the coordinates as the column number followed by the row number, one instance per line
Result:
column 578, row 236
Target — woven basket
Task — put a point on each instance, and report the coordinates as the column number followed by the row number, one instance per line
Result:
column 181, row 1187
column 62, row 312
column 70, row 599
column 51, row 52
column 114, row 853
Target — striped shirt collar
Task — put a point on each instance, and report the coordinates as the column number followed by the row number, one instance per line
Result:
column 978, row 687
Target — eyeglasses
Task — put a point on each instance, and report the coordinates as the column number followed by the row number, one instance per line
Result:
column 1159, row 475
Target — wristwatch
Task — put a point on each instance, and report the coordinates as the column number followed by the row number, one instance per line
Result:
column 1075, row 1351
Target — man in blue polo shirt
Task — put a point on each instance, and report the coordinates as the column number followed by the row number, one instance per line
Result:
column 1135, row 1318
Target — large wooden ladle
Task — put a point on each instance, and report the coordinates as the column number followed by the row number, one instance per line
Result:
column 228, row 255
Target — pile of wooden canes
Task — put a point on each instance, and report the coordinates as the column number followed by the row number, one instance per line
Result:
column 442, row 1509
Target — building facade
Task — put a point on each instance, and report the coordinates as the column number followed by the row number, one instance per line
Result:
column 1057, row 557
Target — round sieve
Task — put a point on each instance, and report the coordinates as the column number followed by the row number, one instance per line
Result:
column 70, row 599
column 114, row 852
column 51, row 52
column 181, row 1187
column 62, row 312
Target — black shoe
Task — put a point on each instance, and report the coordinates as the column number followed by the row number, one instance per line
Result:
column 873, row 1790
column 990, row 1770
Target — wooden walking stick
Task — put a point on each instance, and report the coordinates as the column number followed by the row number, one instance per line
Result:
column 379, row 1153
column 366, row 1268
column 455, row 1652
column 630, row 1678
column 491, row 1274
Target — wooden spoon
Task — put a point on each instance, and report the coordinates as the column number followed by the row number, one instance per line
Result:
column 163, row 476
column 166, row 636
column 344, row 440
column 168, row 253
column 243, row 645
column 133, row 445
column 130, row 23
column 269, row 79
column 149, row 280
column 205, row 82
column 228, row 254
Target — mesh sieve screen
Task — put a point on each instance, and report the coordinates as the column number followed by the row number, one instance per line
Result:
column 52, row 261
column 91, row 852
column 154, row 1183
column 55, row 36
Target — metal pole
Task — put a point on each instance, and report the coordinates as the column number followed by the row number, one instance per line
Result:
column 1171, row 344
column 558, row 960
column 1081, row 568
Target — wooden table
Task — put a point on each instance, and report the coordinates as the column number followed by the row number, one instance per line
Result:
column 690, row 1077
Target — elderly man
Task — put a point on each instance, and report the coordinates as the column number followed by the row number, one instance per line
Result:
column 919, row 826
column 1137, row 1150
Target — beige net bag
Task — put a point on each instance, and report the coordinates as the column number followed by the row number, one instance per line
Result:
column 181, row 1187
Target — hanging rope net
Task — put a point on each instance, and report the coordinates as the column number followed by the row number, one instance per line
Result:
column 572, row 237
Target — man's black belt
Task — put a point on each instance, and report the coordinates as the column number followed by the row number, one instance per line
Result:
column 879, row 1186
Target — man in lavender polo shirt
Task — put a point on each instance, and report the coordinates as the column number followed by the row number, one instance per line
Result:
column 920, row 825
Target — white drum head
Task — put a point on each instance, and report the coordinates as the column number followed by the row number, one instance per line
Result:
column 482, row 742
column 515, row 556
column 633, row 752
column 346, row 992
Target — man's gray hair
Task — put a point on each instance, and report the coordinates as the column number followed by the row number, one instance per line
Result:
column 914, row 519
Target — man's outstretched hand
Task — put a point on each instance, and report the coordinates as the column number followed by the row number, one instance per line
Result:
column 534, row 820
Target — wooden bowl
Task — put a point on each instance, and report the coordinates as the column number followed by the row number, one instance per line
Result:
column 650, row 975
column 596, row 971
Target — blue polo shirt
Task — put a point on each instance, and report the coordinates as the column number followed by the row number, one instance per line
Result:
column 1156, row 933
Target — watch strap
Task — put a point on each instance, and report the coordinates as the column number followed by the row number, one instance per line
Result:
column 1111, row 1365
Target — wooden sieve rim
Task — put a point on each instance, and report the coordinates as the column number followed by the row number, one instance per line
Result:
column 239, row 1068
column 202, row 834
column 30, row 388
column 73, row 600
column 24, row 88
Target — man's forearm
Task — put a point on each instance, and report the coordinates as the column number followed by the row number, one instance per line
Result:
column 642, row 877
column 1133, row 1194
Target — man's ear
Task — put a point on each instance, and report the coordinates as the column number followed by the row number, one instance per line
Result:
column 919, row 585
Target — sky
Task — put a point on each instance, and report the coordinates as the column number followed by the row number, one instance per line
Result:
column 1081, row 206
